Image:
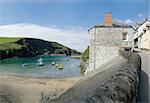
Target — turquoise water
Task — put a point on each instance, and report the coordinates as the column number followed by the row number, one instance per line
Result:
column 13, row 66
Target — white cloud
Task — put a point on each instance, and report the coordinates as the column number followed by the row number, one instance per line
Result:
column 127, row 21
column 74, row 37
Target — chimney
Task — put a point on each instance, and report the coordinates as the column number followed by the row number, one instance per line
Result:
column 108, row 19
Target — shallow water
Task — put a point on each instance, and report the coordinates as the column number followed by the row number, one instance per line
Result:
column 13, row 66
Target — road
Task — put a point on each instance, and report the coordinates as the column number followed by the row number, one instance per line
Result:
column 144, row 86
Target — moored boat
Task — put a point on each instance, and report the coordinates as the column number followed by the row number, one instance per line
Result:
column 40, row 62
column 56, row 65
column 61, row 66
column 25, row 64
column 53, row 63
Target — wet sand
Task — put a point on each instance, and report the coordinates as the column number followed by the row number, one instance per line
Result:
column 30, row 90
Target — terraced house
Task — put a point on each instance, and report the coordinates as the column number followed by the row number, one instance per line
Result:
column 142, row 35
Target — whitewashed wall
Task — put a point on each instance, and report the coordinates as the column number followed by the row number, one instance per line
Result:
column 143, row 37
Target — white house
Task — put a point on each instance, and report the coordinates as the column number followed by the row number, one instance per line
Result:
column 142, row 35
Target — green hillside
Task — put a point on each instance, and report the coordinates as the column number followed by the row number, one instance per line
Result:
column 4, row 40
column 10, row 46
column 27, row 47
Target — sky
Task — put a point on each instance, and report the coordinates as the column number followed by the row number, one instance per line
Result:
column 65, row 21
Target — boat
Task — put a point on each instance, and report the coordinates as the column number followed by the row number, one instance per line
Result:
column 40, row 62
column 56, row 65
column 61, row 66
column 25, row 64
column 53, row 63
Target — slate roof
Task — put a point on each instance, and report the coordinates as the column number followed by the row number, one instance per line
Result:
column 114, row 24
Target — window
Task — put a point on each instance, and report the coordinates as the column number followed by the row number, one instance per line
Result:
column 124, row 37
column 144, row 29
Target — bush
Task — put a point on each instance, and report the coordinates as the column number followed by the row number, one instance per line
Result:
column 84, row 62
column 85, row 55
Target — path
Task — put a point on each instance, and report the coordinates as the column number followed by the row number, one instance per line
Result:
column 144, row 87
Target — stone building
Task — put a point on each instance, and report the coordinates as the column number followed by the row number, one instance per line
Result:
column 142, row 35
column 106, row 39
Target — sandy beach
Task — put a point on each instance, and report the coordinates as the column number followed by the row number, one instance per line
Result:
column 30, row 90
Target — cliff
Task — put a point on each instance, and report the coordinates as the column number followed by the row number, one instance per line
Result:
column 27, row 47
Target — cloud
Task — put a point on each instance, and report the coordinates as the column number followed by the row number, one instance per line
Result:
column 127, row 21
column 140, row 15
column 73, row 37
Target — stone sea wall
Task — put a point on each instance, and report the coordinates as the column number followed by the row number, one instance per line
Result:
column 123, row 85
column 117, row 83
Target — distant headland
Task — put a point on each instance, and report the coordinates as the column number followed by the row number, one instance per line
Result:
column 28, row 47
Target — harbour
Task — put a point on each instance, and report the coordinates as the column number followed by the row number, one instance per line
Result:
column 41, row 66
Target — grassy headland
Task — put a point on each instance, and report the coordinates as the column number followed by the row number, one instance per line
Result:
column 26, row 47
column 4, row 40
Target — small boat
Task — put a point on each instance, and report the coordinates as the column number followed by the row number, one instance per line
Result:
column 53, row 63
column 56, row 65
column 61, row 66
column 25, row 64
column 40, row 62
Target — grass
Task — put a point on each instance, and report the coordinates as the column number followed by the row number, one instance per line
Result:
column 85, row 58
column 10, row 46
column 85, row 55
column 4, row 40
column 54, row 44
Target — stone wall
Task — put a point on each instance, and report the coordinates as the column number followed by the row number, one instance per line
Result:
column 123, row 85
column 117, row 83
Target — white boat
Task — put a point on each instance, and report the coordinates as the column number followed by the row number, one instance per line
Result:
column 53, row 63
column 40, row 62
column 25, row 64
column 56, row 65
column 61, row 66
